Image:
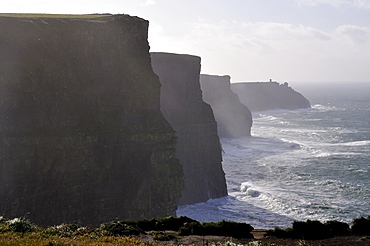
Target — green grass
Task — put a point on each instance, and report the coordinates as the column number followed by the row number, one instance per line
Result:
column 38, row 238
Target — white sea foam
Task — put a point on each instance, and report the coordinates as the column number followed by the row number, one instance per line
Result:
column 361, row 171
column 231, row 209
column 248, row 190
column 328, row 154
column 325, row 154
column 324, row 108
column 299, row 165
column 267, row 117
column 354, row 143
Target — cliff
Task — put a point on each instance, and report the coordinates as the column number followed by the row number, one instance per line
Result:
column 232, row 117
column 259, row 96
column 82, row 138
column 198, row 147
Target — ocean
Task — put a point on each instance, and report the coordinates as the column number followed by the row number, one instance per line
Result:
column 298, row 165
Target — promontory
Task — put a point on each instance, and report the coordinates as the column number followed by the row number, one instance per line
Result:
column 259, row 96
column 82, row 137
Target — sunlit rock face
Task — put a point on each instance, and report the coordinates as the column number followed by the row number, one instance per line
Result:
column 82, row 138
column 259, row 96
column 233, row 118
column 198, row 147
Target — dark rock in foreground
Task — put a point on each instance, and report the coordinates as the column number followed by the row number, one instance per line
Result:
column 82, row 138
column 233, row 118
column 259, row 96
column 198, row 148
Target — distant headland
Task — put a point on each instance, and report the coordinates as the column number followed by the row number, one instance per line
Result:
column 260, row 96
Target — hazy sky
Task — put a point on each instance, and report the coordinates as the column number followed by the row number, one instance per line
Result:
column 251, row 40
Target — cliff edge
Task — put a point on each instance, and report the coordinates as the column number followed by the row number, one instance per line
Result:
column 259, row 96
column 233, row 118
column 82, row 138
column 198, row 148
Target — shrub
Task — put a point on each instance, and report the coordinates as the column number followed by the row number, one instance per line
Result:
column 20, row 225
column 66, row 230
column 120, row 228
column 221, row 228
column 235, row 229
column 211, row 228
column 146, row 225
column 361, row 226
column 192, row 228
column 169, row 223
column 174, row 223
column 281, row 233
column 3, row 226
column 337, row 228
column 310, row 230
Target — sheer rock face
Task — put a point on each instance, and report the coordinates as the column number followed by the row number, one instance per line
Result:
column 198, row 148
column 233, row 118
column 82, row 138
column 259, row 96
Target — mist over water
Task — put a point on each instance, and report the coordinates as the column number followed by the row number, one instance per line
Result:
column 303, row 164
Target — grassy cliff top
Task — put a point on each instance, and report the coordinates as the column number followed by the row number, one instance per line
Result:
column 27, row 15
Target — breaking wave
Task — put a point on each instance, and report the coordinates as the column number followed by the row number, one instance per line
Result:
column 304, row 164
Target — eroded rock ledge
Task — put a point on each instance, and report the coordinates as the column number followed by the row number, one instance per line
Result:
column 198, row 148
column 233, row 118
column 82, row 138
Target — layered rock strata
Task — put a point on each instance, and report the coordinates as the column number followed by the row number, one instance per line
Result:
column 233, row 118
column 259, row 96
column 82, row 138
column 198, row 147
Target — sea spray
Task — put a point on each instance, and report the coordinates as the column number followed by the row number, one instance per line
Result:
column 298, row 165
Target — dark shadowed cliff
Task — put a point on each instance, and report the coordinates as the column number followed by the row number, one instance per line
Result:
column 233, row 118
column 259, row 96
column 198, row 148
column 82, row 138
